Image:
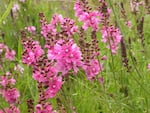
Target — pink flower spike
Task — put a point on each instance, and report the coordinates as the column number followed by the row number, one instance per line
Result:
column 92, row 69
column 10, row 54
column 46, row 108
column 54, row 86
column 12, row 109
column 112, row 36
column 11, row 95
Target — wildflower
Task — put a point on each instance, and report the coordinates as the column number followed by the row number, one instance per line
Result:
column 43, row 74
column 129, row 24
column 11, row 95
column 15, row 8
column 46, row 108
column 104, row 57
column 1, row 111
column 10, row 54
column 32, row 51
column 48, row 28
column 30, row 29
column 89, row 18
column 92, row 69
column 54, row 86
column 4, row 81
column 12, row 109
column 67, row 56
column 112, row 36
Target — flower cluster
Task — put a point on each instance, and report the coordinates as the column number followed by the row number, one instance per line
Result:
column 9, row 53
column 92, row 69
column 67, row 55
column 9, row 92
column 31, row 52
column 88, row 17
column 67, row 26
column 45, row 73
column 46, row 108
column 112, row 36
column 15, row 8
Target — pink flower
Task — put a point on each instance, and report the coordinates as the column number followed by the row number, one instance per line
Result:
column 54, row 86
column 112, row 36
column 11, row 95
column 104, row 57
column 4, row 81
column 46, row 108
column 67, row 56
column 43, row 74
column 92, row 69
column 90, row 19
column 56, row 19
column 148, row 66
column 129, row 24
column 1, row 111
column 30, row 29
column 32, row 51
column 15, row 8
column 48, row 28
column 67, row 25
column 12, row 109
column 10, row 54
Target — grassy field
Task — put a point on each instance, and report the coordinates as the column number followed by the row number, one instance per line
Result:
column 126, row 87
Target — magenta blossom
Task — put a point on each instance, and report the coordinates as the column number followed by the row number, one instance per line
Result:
column 12, row 109
column 89, row 18
column 11, row 95
column 112, row 36
column 92, row 69
column 32, row 51
column 54, row 86
column 10, row 54
column 44, row 74
column 1, row 111
column 30, row 29
column 67, row 56
column 46, row 108
column 4, row 81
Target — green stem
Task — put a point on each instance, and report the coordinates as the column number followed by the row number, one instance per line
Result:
column 6, row 13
